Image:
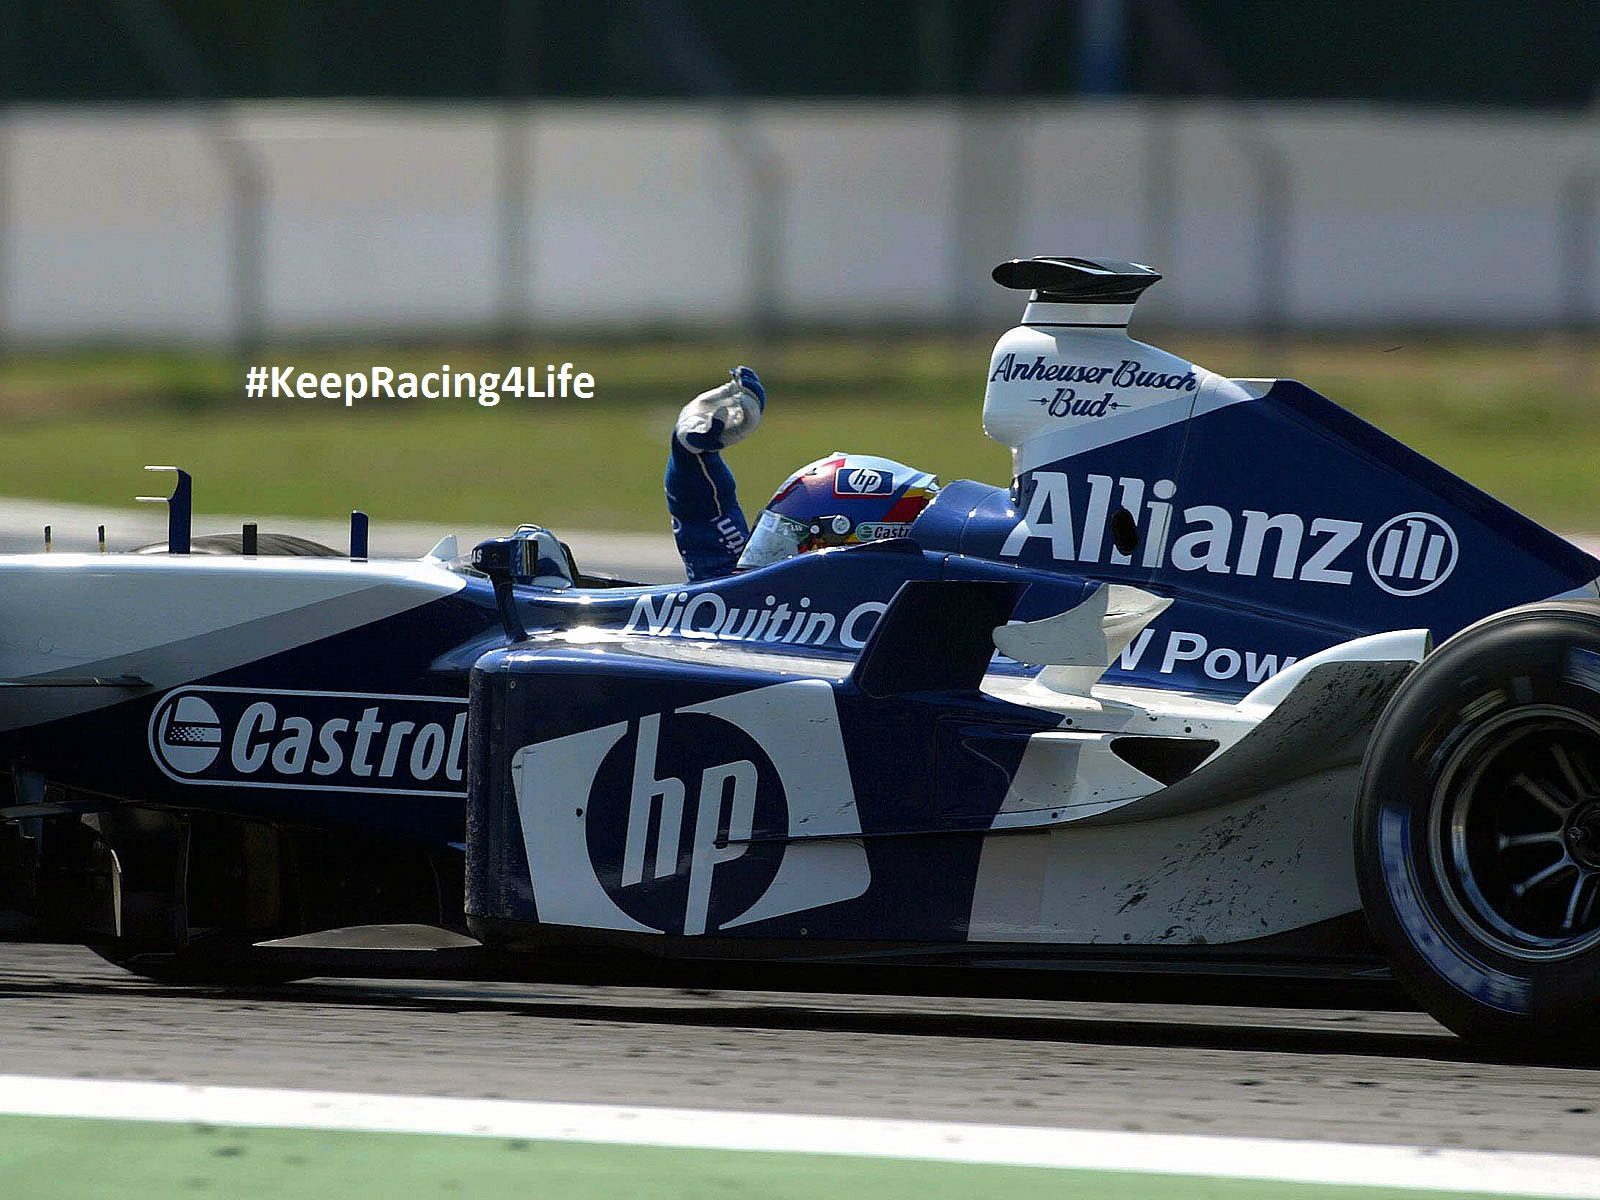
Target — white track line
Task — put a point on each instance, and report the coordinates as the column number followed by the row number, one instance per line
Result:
column 1172, row 1154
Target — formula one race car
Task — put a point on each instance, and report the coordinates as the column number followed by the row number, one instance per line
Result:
column 1162, row 718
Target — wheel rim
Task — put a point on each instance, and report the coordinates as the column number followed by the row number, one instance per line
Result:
column 1514, row 832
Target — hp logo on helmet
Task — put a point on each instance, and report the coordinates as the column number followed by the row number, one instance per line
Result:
column 863, row 481
column 1412, row 554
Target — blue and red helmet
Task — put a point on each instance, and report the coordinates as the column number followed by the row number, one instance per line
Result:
column 840, row 500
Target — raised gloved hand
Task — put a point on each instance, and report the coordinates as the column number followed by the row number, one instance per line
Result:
column 724, row 416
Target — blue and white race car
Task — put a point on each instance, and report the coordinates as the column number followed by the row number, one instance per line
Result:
column 1164, row 718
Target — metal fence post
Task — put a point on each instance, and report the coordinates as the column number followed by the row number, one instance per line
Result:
column 6, row 158
column 9, row 17
column 513, row 204
column 1174, row 36
column 768, row 228
column 1577, row 233
column 1577, row 248
column 1272, row 248
column 249, row 188
column 1161, row 149
column 698, row 65
column 517, row 77
column 160, row 38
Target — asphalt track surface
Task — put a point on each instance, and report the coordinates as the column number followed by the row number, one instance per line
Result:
column 1394, row 1078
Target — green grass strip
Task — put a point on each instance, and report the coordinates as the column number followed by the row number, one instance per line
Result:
column 1518, row 418
column 52, row 1158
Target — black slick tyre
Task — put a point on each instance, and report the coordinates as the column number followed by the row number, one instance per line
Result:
column 1477, row 832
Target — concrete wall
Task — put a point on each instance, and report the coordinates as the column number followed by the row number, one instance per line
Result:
column 121, row 222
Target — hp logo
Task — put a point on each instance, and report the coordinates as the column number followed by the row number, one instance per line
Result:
column 670, row 818
column 188, row 734
column 717, row 810
column 863, row 481
column 1412, row 554
column 703, row 819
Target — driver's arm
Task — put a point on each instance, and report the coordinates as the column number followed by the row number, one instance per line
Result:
column 707, row 522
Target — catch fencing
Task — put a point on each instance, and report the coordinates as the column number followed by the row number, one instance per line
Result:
column 234, row 223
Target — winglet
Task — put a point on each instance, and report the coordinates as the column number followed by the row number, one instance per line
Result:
column 446, row 549
column 180, row 509
column 1078, row 646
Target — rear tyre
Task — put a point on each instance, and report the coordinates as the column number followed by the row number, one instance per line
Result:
column 1478, row 832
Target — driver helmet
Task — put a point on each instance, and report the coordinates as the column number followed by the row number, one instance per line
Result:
column 841, row 500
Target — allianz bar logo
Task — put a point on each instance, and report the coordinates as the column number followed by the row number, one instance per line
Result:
column 1406, row 555
column 311, row 741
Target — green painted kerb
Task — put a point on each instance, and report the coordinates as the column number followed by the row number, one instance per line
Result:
column 49, row 1158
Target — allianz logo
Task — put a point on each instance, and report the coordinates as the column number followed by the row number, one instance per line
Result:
column 311, row 741
column 1407, row 555
column 1129, row 373
column 708, row 615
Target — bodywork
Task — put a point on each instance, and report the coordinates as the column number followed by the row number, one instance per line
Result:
column 1105, row 719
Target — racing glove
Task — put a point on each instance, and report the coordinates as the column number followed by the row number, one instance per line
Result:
column 724, row 416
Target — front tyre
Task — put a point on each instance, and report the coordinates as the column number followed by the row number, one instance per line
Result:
column 1478, row 831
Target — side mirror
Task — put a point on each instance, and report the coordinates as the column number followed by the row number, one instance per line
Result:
column 505, row 560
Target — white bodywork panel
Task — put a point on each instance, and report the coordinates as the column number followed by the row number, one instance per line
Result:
column 1078, row 646
column 170, row 619
column 1068, row 775
column 1276, row 861
column 1252, row 843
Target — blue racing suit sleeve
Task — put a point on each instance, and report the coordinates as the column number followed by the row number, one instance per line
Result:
column 707, row 522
